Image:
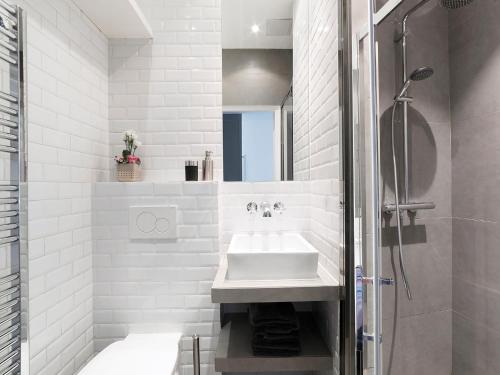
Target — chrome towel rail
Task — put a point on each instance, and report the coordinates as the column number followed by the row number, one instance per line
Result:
column 12, row 116
column 8, row 123
column 8, row 45
column 8, row 136
column 8, row 110
column 6, row 57
column 14, row 369
column 8, row 201
column 9, row 8
column 7, row 240
column 8, row 305
column 8, row 292
column 10, row 226
column 9, row 213
column 10, row 149
column 8, row 19
column 4, row 95
column 7, row 358
column 8, row 33
column 9, row 343
column 12, row 329
column 9, row 331
column 10, row 278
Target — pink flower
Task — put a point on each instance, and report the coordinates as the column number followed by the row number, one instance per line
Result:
column 132, row 159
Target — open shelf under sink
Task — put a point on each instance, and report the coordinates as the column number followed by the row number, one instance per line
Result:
column 234, row 350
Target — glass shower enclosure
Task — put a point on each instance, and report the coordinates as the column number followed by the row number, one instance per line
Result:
column 425, row 172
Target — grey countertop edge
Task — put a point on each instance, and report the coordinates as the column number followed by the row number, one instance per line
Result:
column 324, row 288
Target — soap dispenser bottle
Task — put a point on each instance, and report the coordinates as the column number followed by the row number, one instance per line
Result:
column 208, row 167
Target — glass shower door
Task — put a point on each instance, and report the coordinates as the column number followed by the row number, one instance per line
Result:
column 365, row 205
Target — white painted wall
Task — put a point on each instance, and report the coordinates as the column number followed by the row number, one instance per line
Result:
column 68, row 150
column 170, row 88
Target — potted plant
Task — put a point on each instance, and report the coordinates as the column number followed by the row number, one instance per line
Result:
column 128, row 165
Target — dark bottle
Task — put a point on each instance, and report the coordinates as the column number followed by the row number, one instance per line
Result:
column 191, row 167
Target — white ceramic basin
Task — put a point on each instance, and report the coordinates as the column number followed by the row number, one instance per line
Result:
column 271, row 257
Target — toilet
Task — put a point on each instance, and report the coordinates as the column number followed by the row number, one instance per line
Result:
column 152, row 354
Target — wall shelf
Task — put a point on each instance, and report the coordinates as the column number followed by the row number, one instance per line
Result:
column 117, row 18
column 324, row 288
column 234, row 350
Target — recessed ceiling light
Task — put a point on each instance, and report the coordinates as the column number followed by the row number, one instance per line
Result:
column 255, row 28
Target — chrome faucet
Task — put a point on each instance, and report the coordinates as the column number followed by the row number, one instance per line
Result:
column 266, row 209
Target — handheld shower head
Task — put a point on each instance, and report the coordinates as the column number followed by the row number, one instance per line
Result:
column 419, row 74
column 455, row 4
column 422, row 73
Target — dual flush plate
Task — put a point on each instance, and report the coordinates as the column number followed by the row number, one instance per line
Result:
column 153, row 222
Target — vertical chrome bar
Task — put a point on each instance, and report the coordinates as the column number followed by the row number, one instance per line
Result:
column 374, row 210
column 196, row 355
column 21, row 101
column 405, row 114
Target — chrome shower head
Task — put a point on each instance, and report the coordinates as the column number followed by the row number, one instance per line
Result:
column 419, row 74
column 422, row 73
column 455, row 4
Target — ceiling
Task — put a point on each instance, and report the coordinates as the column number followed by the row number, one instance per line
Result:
column 274, row 18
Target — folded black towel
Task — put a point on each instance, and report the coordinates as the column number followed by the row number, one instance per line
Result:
column 273, row 315
column 262, row 338
column 275, row 329
column 264, row 351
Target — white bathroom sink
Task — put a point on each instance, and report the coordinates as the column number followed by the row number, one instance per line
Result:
column 271, row 257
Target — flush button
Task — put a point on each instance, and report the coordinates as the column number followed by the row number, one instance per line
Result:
column 146, row 222
column 152, row 222
column 162, row 225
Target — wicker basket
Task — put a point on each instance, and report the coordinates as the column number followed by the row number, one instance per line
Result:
column 128, row 172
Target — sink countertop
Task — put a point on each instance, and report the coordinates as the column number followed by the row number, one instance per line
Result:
column 323, row 288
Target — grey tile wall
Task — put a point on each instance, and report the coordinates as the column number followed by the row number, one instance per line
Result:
column 474, row 35
column 417, row 334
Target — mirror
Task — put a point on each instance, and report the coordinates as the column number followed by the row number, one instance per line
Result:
column 263, row 56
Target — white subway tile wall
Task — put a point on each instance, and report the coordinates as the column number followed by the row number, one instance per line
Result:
column 316, row 79
column 68, row 149
column 155, row 285
column 323, row 89
column 170, row 88
column 311, row 208
column 301, row 140
column 317, row 102
column 234, row 217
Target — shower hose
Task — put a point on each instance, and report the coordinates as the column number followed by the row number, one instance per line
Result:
column 398, row 211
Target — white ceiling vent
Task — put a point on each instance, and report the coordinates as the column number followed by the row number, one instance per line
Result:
column 279, row 27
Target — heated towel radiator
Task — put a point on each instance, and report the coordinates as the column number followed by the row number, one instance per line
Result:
column 12, row 189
